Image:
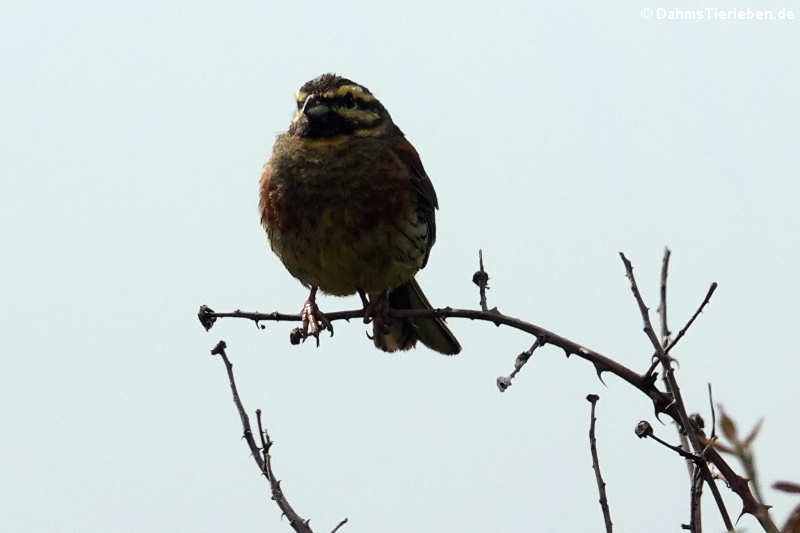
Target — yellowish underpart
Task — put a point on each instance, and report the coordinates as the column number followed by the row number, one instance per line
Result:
column 340, row 259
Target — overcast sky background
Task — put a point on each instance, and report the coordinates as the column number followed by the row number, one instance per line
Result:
column 556, row 135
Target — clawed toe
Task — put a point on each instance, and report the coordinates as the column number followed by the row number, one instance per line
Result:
column 377, row 312
column 314, row 321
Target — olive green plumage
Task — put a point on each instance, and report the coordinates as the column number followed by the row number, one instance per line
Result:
column 347, row 206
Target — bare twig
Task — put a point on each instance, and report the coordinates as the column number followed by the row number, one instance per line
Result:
column 676, row 448
column 644, row 430
column 696, row 523
column 481, row 279
column 263, row 461
column 713, row 414
column 685, row 328
column 680, row 409
column 340, row 524
column 662, row 307
column 645, row 383
column 665, row 336
column 504, row 382
column 600, row 361
column 601, row 485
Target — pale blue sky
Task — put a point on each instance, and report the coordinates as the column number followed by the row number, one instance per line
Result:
column 555, row 134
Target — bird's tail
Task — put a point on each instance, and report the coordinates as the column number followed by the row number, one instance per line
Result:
column 404, row 333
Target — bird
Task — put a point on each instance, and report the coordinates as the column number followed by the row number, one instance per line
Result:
column 348, row 208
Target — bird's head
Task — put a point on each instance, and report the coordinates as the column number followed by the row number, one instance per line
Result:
column 332, row 106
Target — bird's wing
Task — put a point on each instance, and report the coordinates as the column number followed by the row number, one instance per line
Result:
column 426, row 195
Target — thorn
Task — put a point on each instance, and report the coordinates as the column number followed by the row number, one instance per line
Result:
column 600, row 374
column 650, row 379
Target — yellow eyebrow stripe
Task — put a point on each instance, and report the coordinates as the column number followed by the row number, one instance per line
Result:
column 355, row 90
column 358, row 114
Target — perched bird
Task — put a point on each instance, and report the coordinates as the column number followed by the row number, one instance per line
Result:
column 349, row 209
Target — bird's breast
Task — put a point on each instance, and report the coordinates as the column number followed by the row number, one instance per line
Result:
column 344, row 216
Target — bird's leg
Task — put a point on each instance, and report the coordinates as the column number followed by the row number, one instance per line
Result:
column 313, row 319
column 377, row 312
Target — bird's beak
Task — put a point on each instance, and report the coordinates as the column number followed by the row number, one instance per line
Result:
column 315, row 108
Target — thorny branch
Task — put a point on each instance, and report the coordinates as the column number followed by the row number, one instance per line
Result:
column 677, row 399
column 665, row 338
column 682, row 332
column 669, row 403
column 261, row 455
column 644, row 430
column 601, row 485
column 696, row 523
column 695, row 473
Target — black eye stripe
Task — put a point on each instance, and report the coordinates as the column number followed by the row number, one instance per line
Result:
column 347, row 100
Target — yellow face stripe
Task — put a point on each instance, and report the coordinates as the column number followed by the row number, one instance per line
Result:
column 356, row 91
column 357, row 115
column 371, row 132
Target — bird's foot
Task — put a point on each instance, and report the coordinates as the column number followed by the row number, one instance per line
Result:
column 377, row 312
column 314, row 320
